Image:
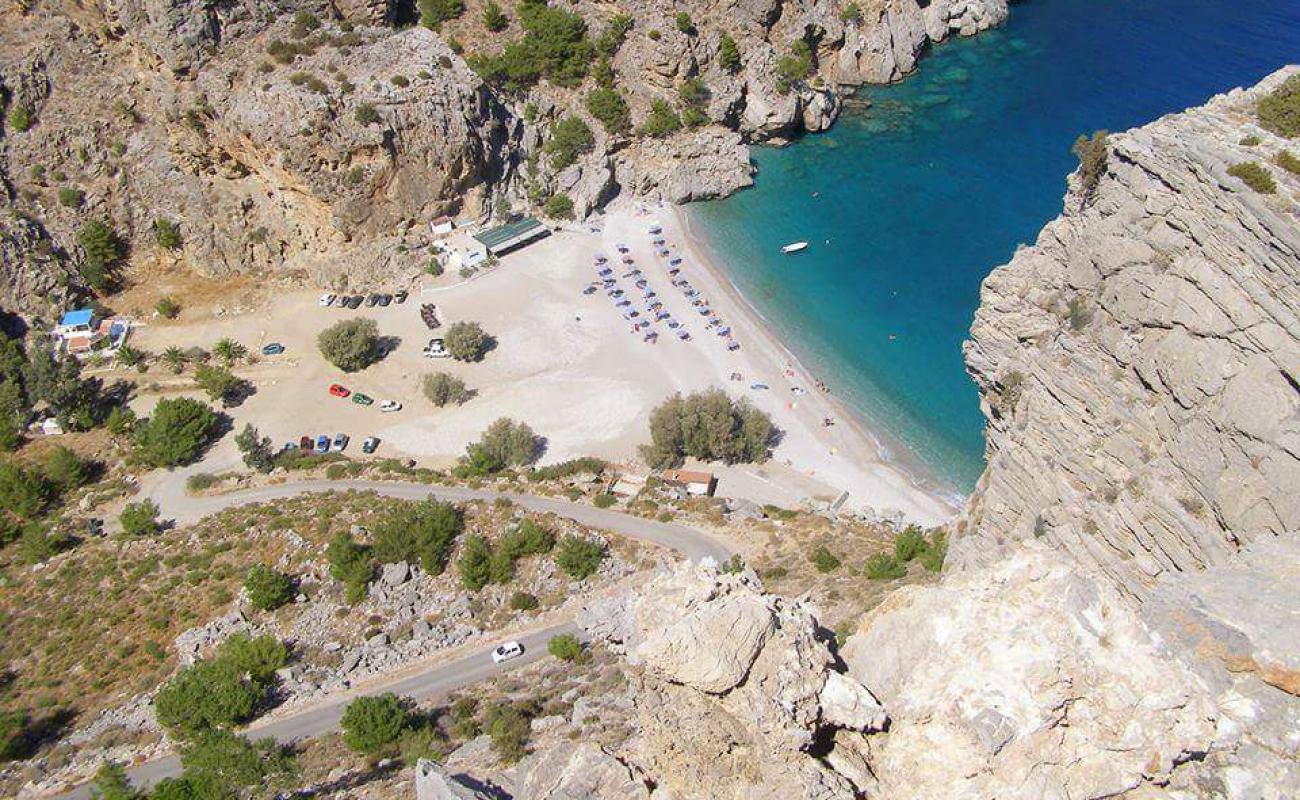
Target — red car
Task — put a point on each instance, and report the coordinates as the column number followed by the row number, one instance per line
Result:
column 339, row 390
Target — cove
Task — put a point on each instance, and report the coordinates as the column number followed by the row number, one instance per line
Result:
column 923, row 187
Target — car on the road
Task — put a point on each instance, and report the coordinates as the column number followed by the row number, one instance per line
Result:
column 327, row 300
column 363, row 399
column 305, row 443
column 323, row 443
column 272, row 349
column 758, row 386
column 339, row 390
column 436, row 348
column 506, row 651
column 390, row 405
column 401, row 296
column 340, row 442
column 370, row 445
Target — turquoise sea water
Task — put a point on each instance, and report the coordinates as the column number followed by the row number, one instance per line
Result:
column 909, row 203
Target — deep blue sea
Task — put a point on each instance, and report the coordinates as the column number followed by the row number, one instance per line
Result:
column 910, row 201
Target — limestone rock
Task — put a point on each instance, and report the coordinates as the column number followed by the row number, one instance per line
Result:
column 433, row 782
column 576, row 771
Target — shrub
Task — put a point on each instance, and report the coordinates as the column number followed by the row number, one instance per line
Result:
column 268, row 589
column 795, row 67
column 20, row 118
column 200, row 481
column 1092, row 153
column 565, row 647
column 509, row 729
column 1254, row 176
column 883, row 566
column 351, row 345
column 365, row 114
column 354, row 176
column 610, row 109
column 570, row 138
column 728, row 54
column 579, row 557
column 1288, row 161
column 493, row 18
column 654, row 34
column 304, row 22
column 423, row 533
column 120, row 420
column 708, row 426
column 443, row 389
column 611, row 39
column 935, row 552
column 662, row 120
column 168, row 307
column 909, row 544
column 65, row 470
column 140, row 519
column 466, row 341
column 475, row 563
column 523, row 601
column 167, row 233
column 373, row 725
column 558, row 206
column 103, row 250
column 684, row 23
column 435, row 12
column 1079, row 313
column 218, row 383
column 350, row 565
column 1249, row 141
column 505, row 443
column 851, row 13
column 221, row 764
column 604, row 500
column 824, row 560
column 209, row 694
column 1279, row 110
column 71, row 197
column 554, row 46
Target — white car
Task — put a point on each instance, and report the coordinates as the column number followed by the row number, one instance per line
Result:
column 327, row 300
column 340, row 442
column 390, row 405
column 436, row 349
column 506, row 651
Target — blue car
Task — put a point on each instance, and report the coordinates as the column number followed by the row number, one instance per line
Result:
column 273, row 349
column 322, row 444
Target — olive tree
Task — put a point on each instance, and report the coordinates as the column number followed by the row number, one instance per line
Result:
column 350, row 345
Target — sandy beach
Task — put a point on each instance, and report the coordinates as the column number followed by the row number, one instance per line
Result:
column 568, row 364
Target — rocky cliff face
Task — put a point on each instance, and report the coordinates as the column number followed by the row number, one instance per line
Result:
column 312, row 139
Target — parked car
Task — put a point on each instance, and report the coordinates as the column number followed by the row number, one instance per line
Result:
column 370, row 445
column 305, row 443
column 322, row 443
column 390, row 405
column 385, row 299
column 339, row 390
column 436, row 348
column 289, row 445
column 372, row 301
column 355, row 301
column 272, row 349
column 401, row 296
column 506, row 651
column 327, row 300
column 758, row 386
column 340, row 442
column 363, row 399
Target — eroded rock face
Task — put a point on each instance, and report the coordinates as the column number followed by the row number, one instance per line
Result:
column 1139, row 364
column 735, row 688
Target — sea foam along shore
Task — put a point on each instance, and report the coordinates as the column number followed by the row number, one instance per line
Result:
column 847, row 456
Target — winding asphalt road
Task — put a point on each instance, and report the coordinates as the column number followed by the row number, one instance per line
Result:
column 174, row 503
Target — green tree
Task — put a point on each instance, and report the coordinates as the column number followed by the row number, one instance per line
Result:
column 505, row 443
column 206, row 695
column 1092, row 153
column 795, row 67
column 708, row 426
column 610, row 109
column 140, row 519
column 558, row 206
column 1279, row 110
column 65, row 469
column 554, row 46
column 220, row 764
column 350, row 565
column 373, row 725
column 910, row 544
column 565, row 647
column 174, row 358
column 435, row 12
column 685, row 24
column 256, row 449
column 20, row 117
column 175, row 433
column 466, row 341
column 662, row 120
column 475, row 563
column 103, row 249
column 111, row 784
column 509, row 728
column 851, row 14
column 570, row 138
column 728, row 54
column 443, row 389
column 24, row 493
column 167, row 233
column 883, row 567
column 56, row 380
column 352, row 344
column 268, row 589
column 228, row 351
column 612, row 37
column 579, row 557
column 493, row 18
column 120, row 420
column 257, row 657
column 218, row 383
column 423, row 532
column 14, row 412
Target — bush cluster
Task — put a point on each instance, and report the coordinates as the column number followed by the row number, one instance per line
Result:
column 268, row 588
column 554, row 46
column 1254, row 176
column 579, row 557
column 175, row 433
column 1092, row 152
column 222, row 691
column 350, row 345
column 708, row 426
column 1279, row 110
column 421, row 533
column 467, row 341
column 443, row 389
column 505, row 443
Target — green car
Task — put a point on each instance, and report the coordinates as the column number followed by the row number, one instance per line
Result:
column 362, row 399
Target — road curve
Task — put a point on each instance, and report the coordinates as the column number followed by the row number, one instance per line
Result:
column 175, row 504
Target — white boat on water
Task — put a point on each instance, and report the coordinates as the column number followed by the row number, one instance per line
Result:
column 794, row 247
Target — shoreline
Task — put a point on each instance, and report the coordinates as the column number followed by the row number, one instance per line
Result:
column 922, row 476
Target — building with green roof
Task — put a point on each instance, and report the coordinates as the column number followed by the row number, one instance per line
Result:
column 511, row 236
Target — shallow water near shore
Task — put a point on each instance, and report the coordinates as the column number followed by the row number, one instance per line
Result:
column 922, row 188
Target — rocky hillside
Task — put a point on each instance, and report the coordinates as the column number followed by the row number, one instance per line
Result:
column 314, row 139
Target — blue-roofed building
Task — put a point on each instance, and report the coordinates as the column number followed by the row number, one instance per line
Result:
column 80, row 333
column 81, row 320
